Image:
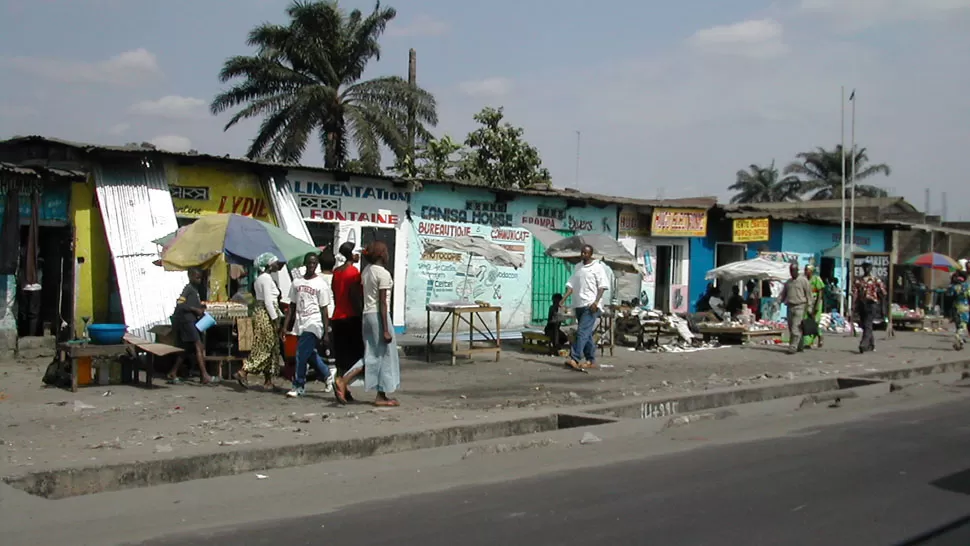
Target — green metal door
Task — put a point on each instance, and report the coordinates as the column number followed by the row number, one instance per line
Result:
column 549, row 276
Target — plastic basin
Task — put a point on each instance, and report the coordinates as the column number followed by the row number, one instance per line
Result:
column 107, row 334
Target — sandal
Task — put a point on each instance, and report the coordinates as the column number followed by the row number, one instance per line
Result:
column 214, row 380
column 173, row 381
column 389, row 403
column 572, row 365
column 340, row 393
column 241, row 380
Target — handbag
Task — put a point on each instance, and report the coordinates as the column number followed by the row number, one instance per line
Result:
column 809, row 326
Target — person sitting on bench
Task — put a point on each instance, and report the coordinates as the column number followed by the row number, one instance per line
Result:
column 557, row 338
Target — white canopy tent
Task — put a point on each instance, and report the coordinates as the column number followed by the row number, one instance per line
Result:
column 755, row 268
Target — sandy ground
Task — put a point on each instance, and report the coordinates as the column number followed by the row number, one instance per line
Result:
column 42, row 428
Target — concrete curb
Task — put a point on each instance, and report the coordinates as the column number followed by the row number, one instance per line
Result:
column 68, row 482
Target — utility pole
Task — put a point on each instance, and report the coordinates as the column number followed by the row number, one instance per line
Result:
column 579, row 136
column 842, row 268
column 413, row 83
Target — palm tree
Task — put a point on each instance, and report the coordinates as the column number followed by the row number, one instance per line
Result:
column 821, row 173
column 305, row 78
column 762, row 185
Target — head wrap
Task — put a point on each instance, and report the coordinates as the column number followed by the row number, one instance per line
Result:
column 810, row 267
column 265, row 260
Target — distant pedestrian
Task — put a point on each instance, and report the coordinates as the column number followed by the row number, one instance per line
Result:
column 867, row 294
column 589, row 282
column 814, row 308
column 961, row 304
column 796, row 295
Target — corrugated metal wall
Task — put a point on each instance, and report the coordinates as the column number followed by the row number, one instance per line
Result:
column 136, row 206
column 286, row 209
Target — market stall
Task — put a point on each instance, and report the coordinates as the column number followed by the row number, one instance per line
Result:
column 234, row 240
column 744, row 328
column 465, row 313
column 606, row 249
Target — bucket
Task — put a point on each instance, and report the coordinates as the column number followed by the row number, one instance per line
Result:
column 84, row 370
column 205, row 323
column 289, row 346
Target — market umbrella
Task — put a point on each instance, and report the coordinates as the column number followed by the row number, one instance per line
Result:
column 477, row 246
column 755, row 268
column 605, row 248
column 240, row 238
column 934, row 260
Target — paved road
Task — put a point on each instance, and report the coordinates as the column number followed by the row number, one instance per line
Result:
column 882, row 481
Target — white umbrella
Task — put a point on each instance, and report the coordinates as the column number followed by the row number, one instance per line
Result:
column 605, row 248
column 477, row 246
column 755, row 268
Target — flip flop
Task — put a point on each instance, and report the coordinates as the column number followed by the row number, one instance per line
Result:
column 241, row 380
column 387, row 403
column 174, row 381
column 340, row 394
column 214, row 380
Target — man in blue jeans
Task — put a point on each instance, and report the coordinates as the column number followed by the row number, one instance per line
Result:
column 588, row 284
column 309, row 297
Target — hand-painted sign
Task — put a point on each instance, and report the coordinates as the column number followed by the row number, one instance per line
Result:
column 678, row 223
column 354, row 191
column 199, row 191
column 751, row 230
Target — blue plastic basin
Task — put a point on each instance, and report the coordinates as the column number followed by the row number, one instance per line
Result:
column 107, row 334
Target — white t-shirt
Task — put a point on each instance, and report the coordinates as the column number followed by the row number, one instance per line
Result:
column 283, row 281
column 266, row 291
column 375, row 278
column 586, row 282
column 309, row 296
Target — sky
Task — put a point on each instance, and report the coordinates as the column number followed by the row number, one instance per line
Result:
column 659, row 99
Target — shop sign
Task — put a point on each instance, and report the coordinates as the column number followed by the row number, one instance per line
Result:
column 201, row 191
column 475, row 212
column 751, row 230
column 678, row 223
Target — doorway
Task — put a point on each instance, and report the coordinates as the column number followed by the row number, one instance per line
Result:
column 322, row 234
column 388, row 236
column 44, row 311
column 665, row 258
column 549, row 277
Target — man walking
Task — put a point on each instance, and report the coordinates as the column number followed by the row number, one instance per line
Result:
column 589, row 282
column 310, row 297
column 796, row 295
column 867, row 293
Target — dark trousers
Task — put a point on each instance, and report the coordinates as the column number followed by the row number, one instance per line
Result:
column 867, row 312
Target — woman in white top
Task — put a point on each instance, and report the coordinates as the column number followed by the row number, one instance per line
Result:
column 264, row 357
column 381, row 364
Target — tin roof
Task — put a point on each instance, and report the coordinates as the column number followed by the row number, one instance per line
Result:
column 148, row 149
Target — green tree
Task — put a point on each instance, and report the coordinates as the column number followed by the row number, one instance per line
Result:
column 305, row 79
column 435, row 159
column 821, row 173
column 497, row 155
column 764, row 185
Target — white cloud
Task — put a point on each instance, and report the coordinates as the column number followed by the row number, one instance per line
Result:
column 760, row 38
column 855, row 14
column 118, row 129
column 133, row 67
column 172, row 143
column 422, row 25
column 170, row 107
column 487, row 88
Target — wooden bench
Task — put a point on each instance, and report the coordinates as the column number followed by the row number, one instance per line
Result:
column 536, row 342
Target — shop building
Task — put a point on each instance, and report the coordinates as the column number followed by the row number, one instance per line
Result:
column 36, row 278
column 443, row 210
column 667, row 238
column 338, row 207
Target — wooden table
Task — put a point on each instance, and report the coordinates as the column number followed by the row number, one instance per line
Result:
column 132, row 345
column 738, row 332
column 465, row 313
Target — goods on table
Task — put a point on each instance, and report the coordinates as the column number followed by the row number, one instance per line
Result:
column 226, row 309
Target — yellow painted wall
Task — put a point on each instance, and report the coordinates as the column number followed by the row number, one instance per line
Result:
column 230, row 191
column 91, row 244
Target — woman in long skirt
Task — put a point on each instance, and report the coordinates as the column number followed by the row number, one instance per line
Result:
column 380, row 365
column 814, row 308
column 264, row 356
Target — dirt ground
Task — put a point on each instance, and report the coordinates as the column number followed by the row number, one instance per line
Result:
column 42, row 427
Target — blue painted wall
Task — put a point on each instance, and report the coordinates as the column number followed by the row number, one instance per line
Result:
column 442, row 210
column 813, row 239
column 701, row 261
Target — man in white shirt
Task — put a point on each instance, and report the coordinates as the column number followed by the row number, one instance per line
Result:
column 588, row 284
column 310, row 297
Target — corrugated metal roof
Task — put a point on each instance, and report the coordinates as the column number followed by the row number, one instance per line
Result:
column 149, row 150
column 286, row 209
column 824, row 204
column 136, row 207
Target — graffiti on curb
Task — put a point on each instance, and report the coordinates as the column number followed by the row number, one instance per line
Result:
column 653, row 410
